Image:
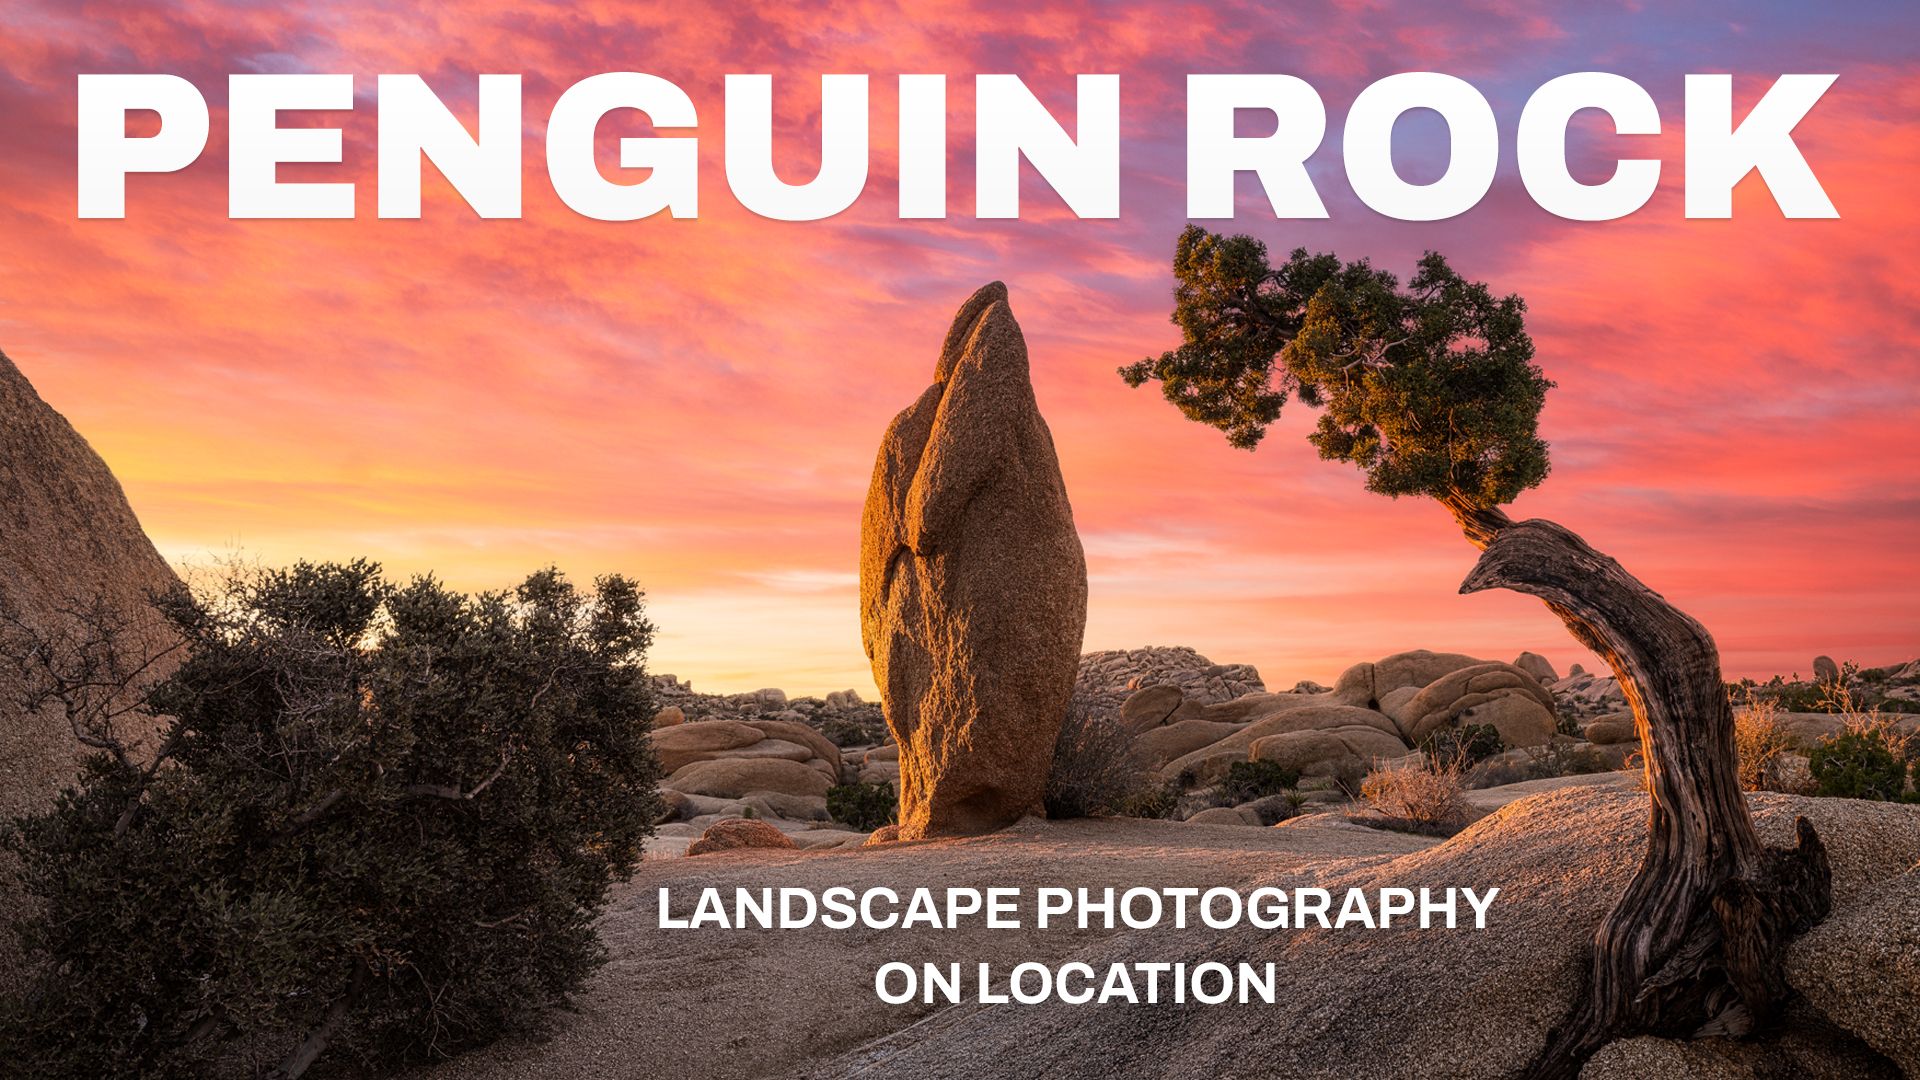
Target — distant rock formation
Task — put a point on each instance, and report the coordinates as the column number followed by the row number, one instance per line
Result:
column 1378, row 711
column 973, row 586
column 67, row 537
column 1537, row 666
column 1121, row 671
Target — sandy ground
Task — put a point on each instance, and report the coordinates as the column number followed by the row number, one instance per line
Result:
column 723, row 1004
column 717, row 1004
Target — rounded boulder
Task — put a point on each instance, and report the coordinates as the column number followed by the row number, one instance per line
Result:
column 736, row 833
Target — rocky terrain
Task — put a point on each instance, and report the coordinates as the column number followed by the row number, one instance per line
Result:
column 749, row 782
column 765, row 754
column 717, row 1004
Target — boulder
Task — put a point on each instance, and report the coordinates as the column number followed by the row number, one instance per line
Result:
column 734, row 778
column 1210, row 762
column 1861, row 969
column 1394, row 703
column 818, row 745
column 1364, row 685
column 973, row 586
column 736, row 833
column 1805, row 730
column 769, row 698
column 1611, row 729
column 1151, row 707
column 674, row 806
column 844, row 699
column 1405, row 1001
column 1790, row 773
column 1620, row 755
column 671, row 716
column 1251, row 707
column 1339, row 751
column 1825, row 670
column 1163, row 744
column 826, row 838
column 885, row 834
column 684, row 744
column 774, row 805
column 1537, row 666
column 1502, row 695
column 1800, row 1051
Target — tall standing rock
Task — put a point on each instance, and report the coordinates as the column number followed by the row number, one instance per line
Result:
column 973, row 587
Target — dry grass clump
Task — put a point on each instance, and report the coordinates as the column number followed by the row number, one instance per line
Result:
column 1759, row 738
column 1426, row 798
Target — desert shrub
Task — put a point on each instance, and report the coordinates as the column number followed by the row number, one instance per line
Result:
column 1859, row 763
column 1566, row 720
column 378, row 825
column 1464, row 746
column 1274, row 809
column 1424, row 798
column 1758, row 740
column 1095, row 771
column 1249, row 780
column 864, row 806
column 1152, row 801
column 1558, row 760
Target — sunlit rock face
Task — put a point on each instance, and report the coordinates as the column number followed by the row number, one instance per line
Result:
column 68, row 542
column 973, row 586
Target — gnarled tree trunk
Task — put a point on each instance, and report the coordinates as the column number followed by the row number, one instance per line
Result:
column 1694, row 946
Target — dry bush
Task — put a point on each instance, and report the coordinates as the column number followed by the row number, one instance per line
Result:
column 1759, row 738
column 1095, row 771
column 1425, row 798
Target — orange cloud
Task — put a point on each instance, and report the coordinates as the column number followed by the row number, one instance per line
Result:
column 697, row 402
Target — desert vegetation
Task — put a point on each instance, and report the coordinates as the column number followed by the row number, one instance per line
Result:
column 374, row 822
column 1425, row 797
column 862, row 805
column 1431, row 389
column 1096, row 770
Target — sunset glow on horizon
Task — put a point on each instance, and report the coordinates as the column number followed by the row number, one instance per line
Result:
column 696, row 403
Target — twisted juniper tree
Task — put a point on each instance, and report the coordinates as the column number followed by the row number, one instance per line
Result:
column 1430, row 389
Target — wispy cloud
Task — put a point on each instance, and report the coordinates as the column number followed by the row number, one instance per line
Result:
column 698, row 402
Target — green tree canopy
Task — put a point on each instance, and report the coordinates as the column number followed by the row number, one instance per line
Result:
column 1429, row 388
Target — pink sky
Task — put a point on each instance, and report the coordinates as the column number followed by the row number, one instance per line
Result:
column 697, row 403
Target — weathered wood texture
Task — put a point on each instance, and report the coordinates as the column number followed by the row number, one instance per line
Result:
column 1695, row 944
